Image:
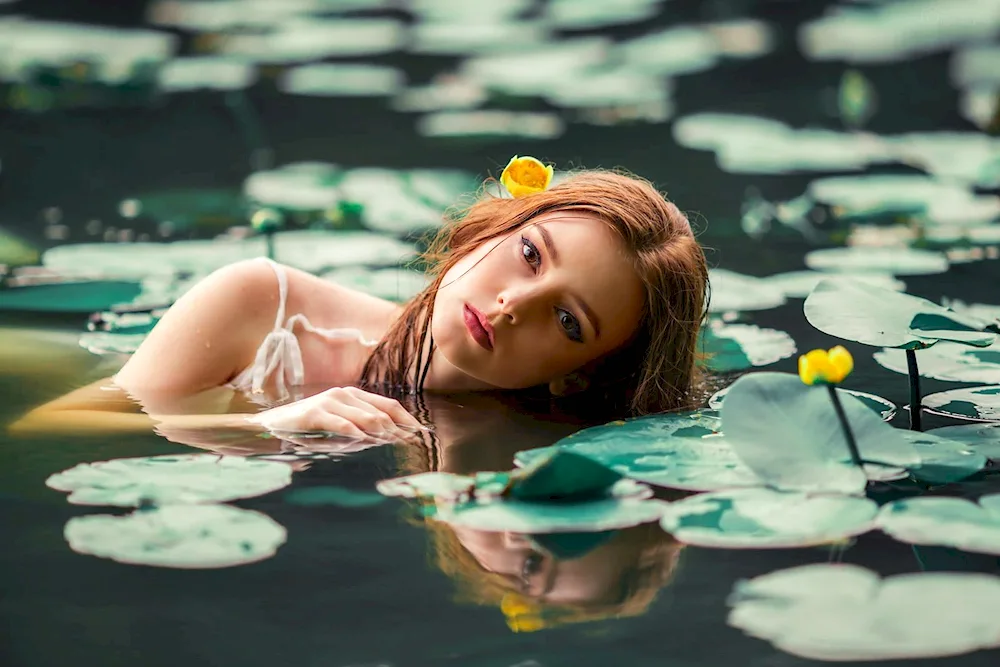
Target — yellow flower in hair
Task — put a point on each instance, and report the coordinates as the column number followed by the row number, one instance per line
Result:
column 523, row 615
column 525, row 176
column 826, row 366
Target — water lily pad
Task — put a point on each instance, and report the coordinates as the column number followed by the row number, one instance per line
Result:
column 296, row 186
column 342, row 80
column 844, row 613
column 69, row 296
column 942, row 461
column 491, row 124
column 577, row 15
column 800, row 446
column 951, row 362
column 798, row 284
column 206, row 72
column 764, row 518
column 541, row 517
column 170, row 480
column 732, row 347
column 951, row 522
column 563, row 476
column 306, row 38
column 427, row 485
column 897, row 261
column 880, row 194
column 393, row 284
column 733, row 291
column 876, row 316
column 16, row 252
column 971, row 404
column 881, row 406
column 180, row 536
column 981, row 438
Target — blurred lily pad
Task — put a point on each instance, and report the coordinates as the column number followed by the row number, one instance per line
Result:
column 69, row 296
column 842, row 613
column 15, row 251
column 950, row 522
column 981, row 438
column 951, row 362
column 764, row 518
column 942, row 461
column 179, row 536
column 170, row 480
column 897, row 261
column 545, row 517
column 395, row 284
column 216, row 209
column 733, row 347
column 798, row 284
column 881, row 406
column 970, row 404
column 733, row 291
column 876, row 316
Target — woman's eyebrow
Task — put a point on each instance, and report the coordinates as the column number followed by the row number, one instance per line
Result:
column 550, row 247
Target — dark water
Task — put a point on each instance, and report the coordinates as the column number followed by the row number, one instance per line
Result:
column 361, row 586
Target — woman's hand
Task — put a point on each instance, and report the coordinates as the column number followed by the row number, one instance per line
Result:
column 344, row 411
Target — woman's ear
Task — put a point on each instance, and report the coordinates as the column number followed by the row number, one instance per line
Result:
column 570, row 384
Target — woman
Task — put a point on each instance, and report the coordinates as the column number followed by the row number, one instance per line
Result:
column 595, row 286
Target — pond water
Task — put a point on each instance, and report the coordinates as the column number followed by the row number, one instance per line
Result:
column 340, row 575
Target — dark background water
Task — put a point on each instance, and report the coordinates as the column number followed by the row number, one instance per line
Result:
column 356, row 586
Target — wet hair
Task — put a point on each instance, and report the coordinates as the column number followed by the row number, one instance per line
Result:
column 656, row 370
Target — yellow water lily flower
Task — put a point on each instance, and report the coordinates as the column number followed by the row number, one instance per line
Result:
column 826, row 366
column 523, row 614
column 525, row 176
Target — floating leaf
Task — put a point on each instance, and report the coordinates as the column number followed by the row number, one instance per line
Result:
column 69, row 297
column 897, row 261
column 394, row 284
column 981, row 438
column 733, row 291
column 180, row 536
column 800, row 446
column 951, row 362
column 875, row 316
column 170, row 480
column 881, row 406
column 971, row 404
column 950, row 522
column 942, row 461
column 798, row 284
column 562, row 476
column 763, row 518
column 427, row 485
column 539, row 517
column 846, row 613
column 732, row 347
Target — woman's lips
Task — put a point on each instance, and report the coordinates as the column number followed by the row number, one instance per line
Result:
column 478, row 326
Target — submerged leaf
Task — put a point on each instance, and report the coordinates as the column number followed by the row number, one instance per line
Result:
column 846, row 613
column 763, row 518
column 875, row 316
column 180, row 536
column 174, row 479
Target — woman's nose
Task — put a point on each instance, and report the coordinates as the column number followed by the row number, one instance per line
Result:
column 517, row 302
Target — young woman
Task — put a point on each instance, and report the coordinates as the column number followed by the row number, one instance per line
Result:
column 595, row 287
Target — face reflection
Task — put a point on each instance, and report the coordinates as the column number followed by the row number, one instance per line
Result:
column 559, row 292
column 589, row 578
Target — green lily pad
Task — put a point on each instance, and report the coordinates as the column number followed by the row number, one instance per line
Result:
column 800, row 446
column 951, row 362
column 881, row 406
column 897, row 261
column 733, row 347
column 981, row 438
column 308, row 186
column 176, row 479
column 878, row 194
column 179, row 536
column 798, row 284
column 342, row 80
column 764, row 518
column 843, row 613
column 562, row 476
column 875, row 316
column 16, row 252
column 942, row 461
column 492, row 124
column 206, row 209
column 541, row 517
column 428, row 485
column 970, row 404
column 206, row 73
column 69, row 297
column 733, row 291
column 950, row 522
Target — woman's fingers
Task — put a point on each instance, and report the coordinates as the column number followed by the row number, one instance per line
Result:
column 389, row 406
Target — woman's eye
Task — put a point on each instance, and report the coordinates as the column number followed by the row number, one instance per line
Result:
column 532, row 566
column 570, row 325
column 530, row 253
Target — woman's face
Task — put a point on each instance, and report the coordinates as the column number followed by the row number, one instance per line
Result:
column 533, row 306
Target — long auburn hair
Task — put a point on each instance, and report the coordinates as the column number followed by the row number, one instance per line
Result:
column 656, row 370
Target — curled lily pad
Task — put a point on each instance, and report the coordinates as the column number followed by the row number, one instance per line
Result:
column 876, row 316
column 733, row 291
column 971, row 404
column 897, row 261
column 541, row 517
column 951, row 522
column 180, row 536
column 732, row 347
column 981, row 438
column 800, row 446
column 951, row 362
column 764, row 518
column 173, row 479
column 845, row 613
column 881, row 406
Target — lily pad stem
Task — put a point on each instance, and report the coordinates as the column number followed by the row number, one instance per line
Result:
column 269, row 239
column 848, row 434
column 915, row 409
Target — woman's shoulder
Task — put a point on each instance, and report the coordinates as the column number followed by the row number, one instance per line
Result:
column 330, row 304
